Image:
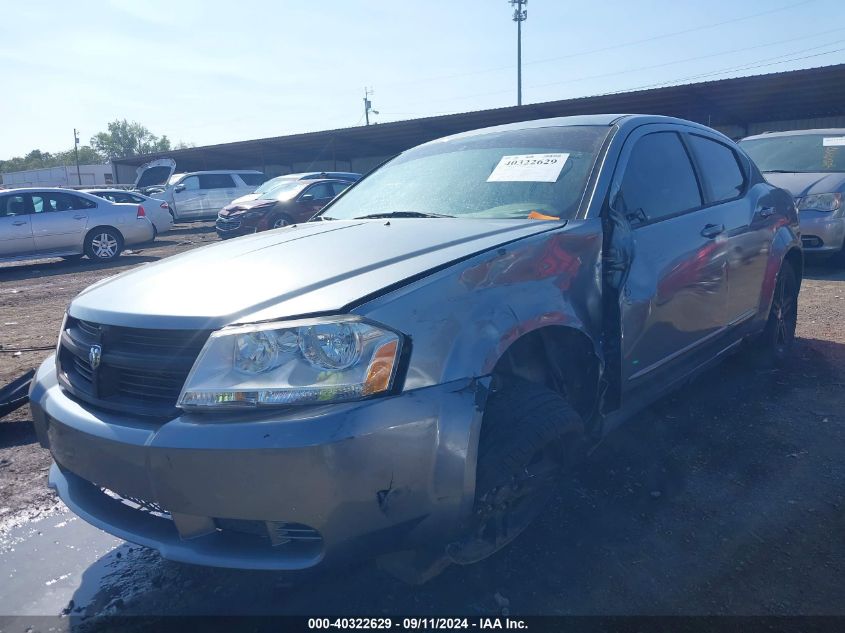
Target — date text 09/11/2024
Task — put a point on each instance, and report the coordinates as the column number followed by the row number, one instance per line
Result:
column 417, row 623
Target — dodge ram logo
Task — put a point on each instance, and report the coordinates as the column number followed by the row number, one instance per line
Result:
column 94, row 356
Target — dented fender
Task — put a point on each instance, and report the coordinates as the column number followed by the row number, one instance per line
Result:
column 461, row 320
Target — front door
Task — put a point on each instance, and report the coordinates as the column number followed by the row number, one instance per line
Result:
column 15, row 226
column 314, row 198
column 674, row 298
column 59, row 221
column 189, row 198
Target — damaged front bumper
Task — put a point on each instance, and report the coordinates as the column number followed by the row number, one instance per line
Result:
column 285, row 490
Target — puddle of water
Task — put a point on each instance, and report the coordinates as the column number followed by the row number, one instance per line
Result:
column 42, row 562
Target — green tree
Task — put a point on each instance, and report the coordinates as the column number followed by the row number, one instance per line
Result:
column 36, row 159
column 128, row 139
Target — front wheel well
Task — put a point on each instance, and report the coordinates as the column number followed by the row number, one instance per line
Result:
column 103, row 227
column 795, row 258
column 561, row 358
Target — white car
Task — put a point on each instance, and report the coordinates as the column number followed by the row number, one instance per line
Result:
column 40, row 222
column 158, row 211
column 198, row 194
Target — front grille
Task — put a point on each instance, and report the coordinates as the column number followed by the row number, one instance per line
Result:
column 140, row 371
column 228, row 224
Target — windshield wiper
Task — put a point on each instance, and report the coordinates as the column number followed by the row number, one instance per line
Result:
column 783, row 171
column 402, row 214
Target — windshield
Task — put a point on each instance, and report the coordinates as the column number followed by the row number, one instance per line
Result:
column 283, row 191
column 271, row 184
column 798, row 153
column 506, row 174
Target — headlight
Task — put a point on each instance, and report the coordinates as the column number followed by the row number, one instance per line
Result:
column 333, row 359
column 821, row 202
column 252, row 215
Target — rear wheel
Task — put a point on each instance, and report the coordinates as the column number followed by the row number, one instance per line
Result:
column 529, row 435
column 103, row 244
column 775, row 343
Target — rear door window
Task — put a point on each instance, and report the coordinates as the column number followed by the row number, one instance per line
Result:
column 722, row 176
column 659, row 180
column 54, row 201
column 216, row 181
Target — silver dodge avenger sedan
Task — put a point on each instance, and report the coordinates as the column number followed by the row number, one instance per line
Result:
column 406, row 375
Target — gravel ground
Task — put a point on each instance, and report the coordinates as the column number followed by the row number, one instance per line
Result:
column 726, row 498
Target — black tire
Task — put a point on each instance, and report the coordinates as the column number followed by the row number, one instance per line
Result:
column 775, row 343
column 279, row 221
column 103, row 244
column 529, row 435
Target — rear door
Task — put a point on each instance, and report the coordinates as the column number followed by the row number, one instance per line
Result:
column 59, row 221
column 749, row 218
column 15, row 226
column 674, row 298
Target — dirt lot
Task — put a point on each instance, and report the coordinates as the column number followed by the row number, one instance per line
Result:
column 726, row 498
column 33, row 298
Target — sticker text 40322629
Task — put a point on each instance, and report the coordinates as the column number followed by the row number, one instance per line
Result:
column 528, row 168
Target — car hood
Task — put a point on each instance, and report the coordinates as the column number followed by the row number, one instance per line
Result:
column 802, row 184
column 246, row 198
column 238, row 207
column 315, row 267
column 156, row 172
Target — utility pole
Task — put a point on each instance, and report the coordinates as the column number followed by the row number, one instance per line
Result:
column 368, row 105
column 76, row 152
column 519, row 16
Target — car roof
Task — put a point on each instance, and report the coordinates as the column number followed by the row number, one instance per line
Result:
column 218, row 171
column 31, row 189
column 832, row 131
column 620, row 120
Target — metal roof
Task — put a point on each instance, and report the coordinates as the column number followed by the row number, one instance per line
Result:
column 799, row 94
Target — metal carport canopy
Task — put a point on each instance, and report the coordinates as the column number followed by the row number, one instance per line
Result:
column 800, row 94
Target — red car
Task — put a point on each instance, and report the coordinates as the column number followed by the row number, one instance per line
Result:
column 289, row 203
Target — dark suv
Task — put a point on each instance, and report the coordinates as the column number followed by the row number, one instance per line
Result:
column 289, row 202
column 408, row 374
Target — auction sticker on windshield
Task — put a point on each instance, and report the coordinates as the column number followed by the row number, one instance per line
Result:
column 833, row 141
column 528, row 168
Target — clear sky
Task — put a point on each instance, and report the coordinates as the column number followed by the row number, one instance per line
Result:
column 205, row 71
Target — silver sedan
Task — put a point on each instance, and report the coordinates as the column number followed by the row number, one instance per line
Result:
column 42, row 222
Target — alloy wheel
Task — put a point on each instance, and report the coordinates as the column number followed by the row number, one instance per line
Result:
column 785, row 314
column 104, row 246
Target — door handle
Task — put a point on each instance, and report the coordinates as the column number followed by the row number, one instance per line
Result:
column 765, row 212
column 712, row 230
column 20, row 223
column 80, row 217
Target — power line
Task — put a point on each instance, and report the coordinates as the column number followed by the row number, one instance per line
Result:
column 750, row 66
column 610, row 47
column 697, row 58
column 630, row 70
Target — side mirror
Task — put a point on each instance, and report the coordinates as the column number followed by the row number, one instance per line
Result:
column 306, row 197
column 179, row 188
